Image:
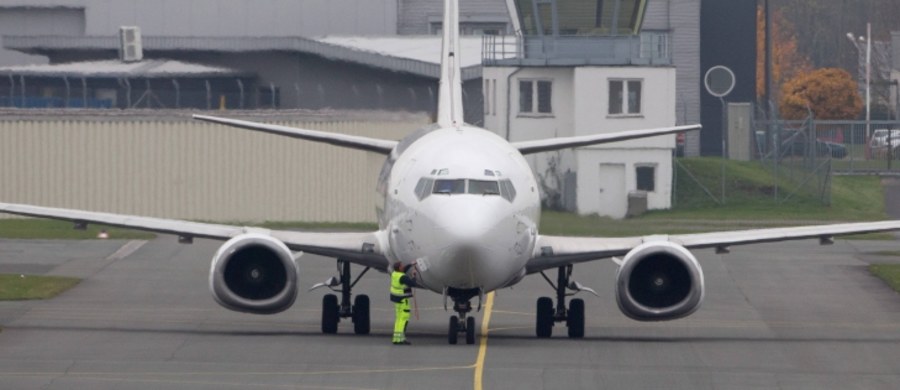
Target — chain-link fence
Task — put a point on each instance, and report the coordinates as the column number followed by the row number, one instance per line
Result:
column 800, row 159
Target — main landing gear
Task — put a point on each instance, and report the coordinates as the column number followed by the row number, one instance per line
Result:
column 461, row 323
column 333, row 311
column 547, row 316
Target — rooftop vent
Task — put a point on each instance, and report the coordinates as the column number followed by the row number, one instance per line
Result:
column 130, row 48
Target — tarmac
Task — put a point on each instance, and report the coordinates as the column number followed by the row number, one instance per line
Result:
column 788, row 315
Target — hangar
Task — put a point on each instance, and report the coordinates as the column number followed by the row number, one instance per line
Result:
column 355, row 54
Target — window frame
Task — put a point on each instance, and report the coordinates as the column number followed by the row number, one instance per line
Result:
column 478, row 182
column 624, row 102
column 653, row 177
column 535, row 97
column 453, row 191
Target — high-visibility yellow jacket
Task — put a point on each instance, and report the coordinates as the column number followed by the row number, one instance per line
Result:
column 400, row 286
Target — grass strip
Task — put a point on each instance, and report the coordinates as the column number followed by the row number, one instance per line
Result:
column 17, row 287
column 887, row 253
column 890, row 273
column 28, row 228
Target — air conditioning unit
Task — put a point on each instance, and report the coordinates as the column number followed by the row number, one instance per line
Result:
column 130, row 48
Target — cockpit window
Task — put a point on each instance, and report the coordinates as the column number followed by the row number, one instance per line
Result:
column 423, row 188
column 503, row 188
column 484, row 187
column 449, row 186
column 507, row 191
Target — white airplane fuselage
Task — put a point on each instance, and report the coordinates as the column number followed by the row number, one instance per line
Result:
column 464, row 238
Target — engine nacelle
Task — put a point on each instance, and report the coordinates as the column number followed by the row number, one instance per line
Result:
column 254, row 273
column 659, row 281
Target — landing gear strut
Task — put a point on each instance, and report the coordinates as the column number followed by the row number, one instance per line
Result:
column 574, row 316
column 333, row 311
column 462, row 323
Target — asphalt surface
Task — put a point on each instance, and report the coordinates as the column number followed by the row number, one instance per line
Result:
column 793, row 315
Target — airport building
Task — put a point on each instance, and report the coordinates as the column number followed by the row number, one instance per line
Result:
column 279, row 44
column 584, row 67
column 382, row 55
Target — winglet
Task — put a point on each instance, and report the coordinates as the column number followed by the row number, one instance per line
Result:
column 450, row 108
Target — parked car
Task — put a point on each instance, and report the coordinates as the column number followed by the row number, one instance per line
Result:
column 881, row 138
column 795, row 143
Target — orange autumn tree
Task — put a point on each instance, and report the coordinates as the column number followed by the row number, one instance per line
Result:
column 787, row 61
column 831, row 93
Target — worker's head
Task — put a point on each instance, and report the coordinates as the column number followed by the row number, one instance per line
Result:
column 398, row 266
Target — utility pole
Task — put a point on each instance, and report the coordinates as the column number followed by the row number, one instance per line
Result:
column 868, row 81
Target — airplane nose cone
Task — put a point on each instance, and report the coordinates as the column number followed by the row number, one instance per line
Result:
column 469, row 224
column 477, row 235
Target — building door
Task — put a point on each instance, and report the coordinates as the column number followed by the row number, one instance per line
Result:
column 612, row 197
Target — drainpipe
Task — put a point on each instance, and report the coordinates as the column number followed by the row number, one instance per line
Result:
column 508, row 99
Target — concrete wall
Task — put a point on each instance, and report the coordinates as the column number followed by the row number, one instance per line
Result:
column 177, row 168
column 580, row 101
column 591, row 117
column 553, row 169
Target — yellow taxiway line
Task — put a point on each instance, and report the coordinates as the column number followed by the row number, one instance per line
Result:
column 482, row 349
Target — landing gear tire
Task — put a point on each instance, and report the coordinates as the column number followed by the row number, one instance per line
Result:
column 330, row 314
column 453, row 330
column 470, row 330
column 544, row 323
column 575, row 320
column 361, row 323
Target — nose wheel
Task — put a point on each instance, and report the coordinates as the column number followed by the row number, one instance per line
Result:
column 461, row 324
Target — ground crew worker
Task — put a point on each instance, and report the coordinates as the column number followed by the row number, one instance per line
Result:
column 401, row 291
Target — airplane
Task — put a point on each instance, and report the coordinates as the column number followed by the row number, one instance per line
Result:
column 462, row 205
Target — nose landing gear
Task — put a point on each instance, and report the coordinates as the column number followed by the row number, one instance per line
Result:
column 462, row 322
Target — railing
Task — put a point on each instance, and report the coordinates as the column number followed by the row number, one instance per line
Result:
column 649, row 48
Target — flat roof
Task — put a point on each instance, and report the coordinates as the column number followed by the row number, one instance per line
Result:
column 155, row 68
column 419, row 55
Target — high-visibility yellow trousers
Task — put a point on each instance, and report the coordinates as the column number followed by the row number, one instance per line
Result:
column 401, row 311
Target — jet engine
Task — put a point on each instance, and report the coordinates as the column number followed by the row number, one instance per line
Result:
column 659, row 281
column 254, row 273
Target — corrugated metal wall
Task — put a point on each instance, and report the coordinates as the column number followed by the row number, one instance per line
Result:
column 191, row 170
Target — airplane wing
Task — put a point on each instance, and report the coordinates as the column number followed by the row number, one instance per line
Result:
column 556, row 251
column 349, row 141
column 543, row 145
column 359, row 248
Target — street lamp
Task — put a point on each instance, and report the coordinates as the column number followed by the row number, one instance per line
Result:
column 868, row 40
